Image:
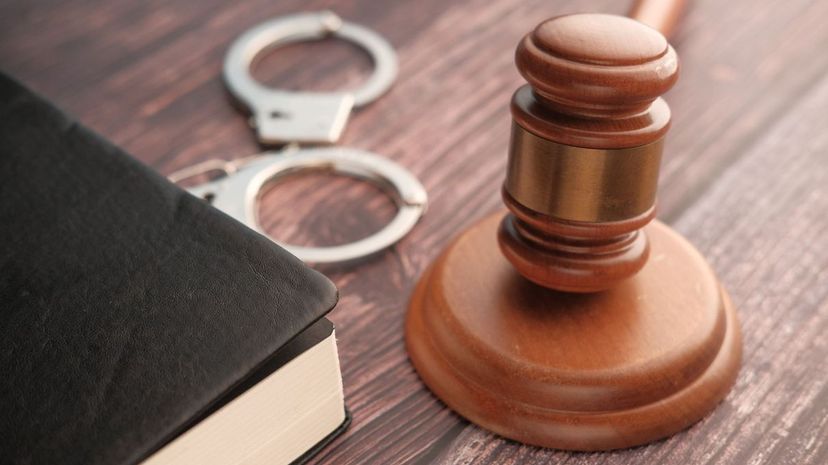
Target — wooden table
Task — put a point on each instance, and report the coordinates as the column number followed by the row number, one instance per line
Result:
column 745, row 177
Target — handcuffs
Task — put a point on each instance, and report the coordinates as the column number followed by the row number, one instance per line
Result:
column 296, row 118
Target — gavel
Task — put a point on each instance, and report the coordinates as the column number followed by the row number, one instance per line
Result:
column 549, row 323
column 585, row 150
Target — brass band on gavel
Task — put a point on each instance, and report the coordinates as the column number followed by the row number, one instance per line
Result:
column 582, row 184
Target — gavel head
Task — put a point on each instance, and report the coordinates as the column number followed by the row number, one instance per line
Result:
column 586, row 146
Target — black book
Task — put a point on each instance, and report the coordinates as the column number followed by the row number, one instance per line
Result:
column 140, row 325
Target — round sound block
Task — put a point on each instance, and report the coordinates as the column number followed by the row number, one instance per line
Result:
column 597, row 371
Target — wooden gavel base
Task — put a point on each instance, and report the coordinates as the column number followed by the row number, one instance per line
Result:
column 585, row 372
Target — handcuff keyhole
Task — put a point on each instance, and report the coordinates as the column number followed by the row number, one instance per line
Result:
column 278, row 115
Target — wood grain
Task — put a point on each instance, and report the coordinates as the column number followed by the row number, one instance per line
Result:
column 744, row 176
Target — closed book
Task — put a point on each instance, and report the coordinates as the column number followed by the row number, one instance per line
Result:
column 140, row 325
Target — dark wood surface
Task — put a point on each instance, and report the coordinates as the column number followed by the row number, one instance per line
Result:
column 744, row 176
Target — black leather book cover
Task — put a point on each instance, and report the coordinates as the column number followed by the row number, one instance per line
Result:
column 128, row 308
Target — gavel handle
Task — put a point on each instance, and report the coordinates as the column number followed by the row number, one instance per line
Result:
column 661, row 15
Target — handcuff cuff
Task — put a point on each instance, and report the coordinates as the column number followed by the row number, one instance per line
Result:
column 296, row 118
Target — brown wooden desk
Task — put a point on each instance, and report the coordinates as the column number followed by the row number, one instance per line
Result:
column 745, row 177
